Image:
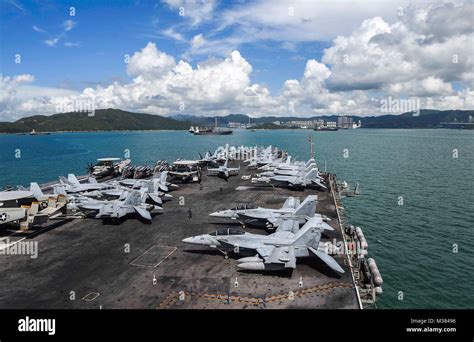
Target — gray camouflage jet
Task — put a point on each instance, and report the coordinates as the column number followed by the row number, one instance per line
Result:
column 271, row 218
column 277, row 251
column 133, row 202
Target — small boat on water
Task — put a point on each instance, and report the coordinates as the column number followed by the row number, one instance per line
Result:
column 33, row 132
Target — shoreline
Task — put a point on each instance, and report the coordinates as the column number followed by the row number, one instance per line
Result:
column 246, row 130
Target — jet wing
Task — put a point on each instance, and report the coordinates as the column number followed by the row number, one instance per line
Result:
column 155, row 198
column 317, row 182
column 90, row 206
column 328, row 260
column 278, row 255
column 142, row 212
column 289, row 203
column 289, row 225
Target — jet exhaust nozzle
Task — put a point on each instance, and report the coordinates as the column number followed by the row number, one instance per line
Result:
column 250, row 259
column 257, row 266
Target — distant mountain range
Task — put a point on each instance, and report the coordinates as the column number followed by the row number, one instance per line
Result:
column 427, row 118
column 116, row 119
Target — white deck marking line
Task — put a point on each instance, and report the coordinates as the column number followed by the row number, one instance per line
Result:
column 12, row 244
column 159, row 263
column 93, row 295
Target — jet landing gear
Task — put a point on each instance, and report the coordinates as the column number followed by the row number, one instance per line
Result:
column 226, row 254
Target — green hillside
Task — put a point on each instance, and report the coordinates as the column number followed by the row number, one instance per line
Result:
column 103, row 120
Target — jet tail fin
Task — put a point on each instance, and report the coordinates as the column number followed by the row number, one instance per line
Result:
column 163, row 177
column 133, row 198
column 289, row 203
column 36, row 190
column 311, row 174
column 59, row 190
column 63, row 180
column 72, row 178
column 308, row 206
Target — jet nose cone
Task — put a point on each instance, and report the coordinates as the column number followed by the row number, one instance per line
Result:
column 188, row 240
column 214, row 214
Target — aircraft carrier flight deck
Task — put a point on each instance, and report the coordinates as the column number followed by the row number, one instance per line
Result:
column 85, row 264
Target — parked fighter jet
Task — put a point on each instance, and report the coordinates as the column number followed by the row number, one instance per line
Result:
column 132, row 203
column 211, row 158
column 290, row 172
column 271, row 218
column 72, row 185
column 158, row 182
column 290, row 203
column 223, row 171
column 25, row 209
column 311, row 178
column 277, row 251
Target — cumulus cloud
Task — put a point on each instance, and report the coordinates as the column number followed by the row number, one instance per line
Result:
column 418, row 55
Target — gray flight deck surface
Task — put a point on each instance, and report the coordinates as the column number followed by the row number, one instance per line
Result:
column 90, row 258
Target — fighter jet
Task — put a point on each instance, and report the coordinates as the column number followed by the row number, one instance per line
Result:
column 158, row 183
column 132, row 203
column 223, row 171
column 272, row 218
column 311, row 178
column 277, row 251
column 289, row 164
column 210, row 158
column 25, row 209
column 72, row 185
column 290, row 203
column 290, row 172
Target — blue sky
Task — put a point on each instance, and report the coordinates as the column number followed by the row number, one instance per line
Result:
column 105, row 33
column 259, row 57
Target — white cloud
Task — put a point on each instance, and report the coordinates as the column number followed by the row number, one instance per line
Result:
column 38, row 29
column 298, row 21
column 194, row 11
column 197, row 41
column 69, row 24
column 72, row 44
column 171, row 33
column 51, row 42
column 406, row 56
column 150, row 63
column 411, row 57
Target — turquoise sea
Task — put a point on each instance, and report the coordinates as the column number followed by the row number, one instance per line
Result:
column 431, row 171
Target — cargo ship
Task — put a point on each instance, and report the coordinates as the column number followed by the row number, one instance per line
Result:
column 216, row 130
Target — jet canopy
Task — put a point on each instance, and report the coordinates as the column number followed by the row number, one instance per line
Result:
column 244, row 207
column 228, row 231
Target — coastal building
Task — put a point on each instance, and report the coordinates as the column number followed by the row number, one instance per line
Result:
column 344, row 122
column 238, row 125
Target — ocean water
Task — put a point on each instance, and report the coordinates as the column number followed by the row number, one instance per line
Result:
column 416, row 204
